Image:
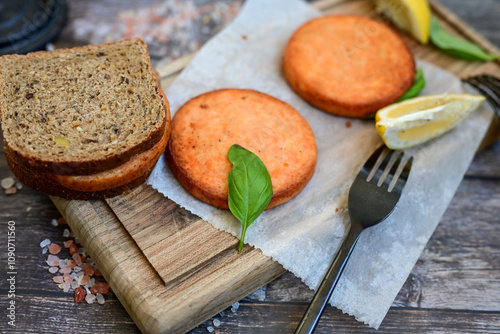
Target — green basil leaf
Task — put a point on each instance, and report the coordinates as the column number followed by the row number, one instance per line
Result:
column 456, row 46
column 416, row 88
column 250, row 187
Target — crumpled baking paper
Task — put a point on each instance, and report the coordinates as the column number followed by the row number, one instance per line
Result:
column 305, row 233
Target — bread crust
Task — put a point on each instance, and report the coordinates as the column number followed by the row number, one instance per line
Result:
column 348, row 65
column 41, row 184
column 206, row 127
column 63, row 166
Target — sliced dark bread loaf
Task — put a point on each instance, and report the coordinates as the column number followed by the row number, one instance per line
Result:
column 80, row 111
column 40, row 183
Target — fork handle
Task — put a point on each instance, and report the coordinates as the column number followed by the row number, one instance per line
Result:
column 325, row 289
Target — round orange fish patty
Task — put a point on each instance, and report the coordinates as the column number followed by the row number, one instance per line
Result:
column 348, row 65
column 206, row 127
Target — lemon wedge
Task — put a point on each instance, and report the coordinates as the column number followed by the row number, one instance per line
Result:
column 415, row 121
column 413, row 16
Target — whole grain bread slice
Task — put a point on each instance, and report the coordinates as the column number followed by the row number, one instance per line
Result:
column 80, row 111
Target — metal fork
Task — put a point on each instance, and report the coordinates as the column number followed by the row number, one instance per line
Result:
column 489, row 86
column 372, row 197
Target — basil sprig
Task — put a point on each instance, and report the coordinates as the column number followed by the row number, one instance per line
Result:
column 456, row 46
column 416, row 88
column 250, row 187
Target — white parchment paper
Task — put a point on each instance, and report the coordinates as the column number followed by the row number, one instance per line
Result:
column 304, row 234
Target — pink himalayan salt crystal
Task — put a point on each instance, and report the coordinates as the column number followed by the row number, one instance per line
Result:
column 70, row 263
column 53, row 270
column 68, row 243
column 85, row 280
column 88, row 270
column 62, row 263
column 67, row 278
column 58, row 279
column 77, row 258
column 90, row 298
column 54, row 249
column 66, row 286
column 53, row 261
column 65, row 270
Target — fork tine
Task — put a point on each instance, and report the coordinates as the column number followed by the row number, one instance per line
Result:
column 400, row 176
column 489, row 86
column 390, row 168
column 373, row 163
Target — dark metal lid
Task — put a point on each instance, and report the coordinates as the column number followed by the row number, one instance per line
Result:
column 27, row 25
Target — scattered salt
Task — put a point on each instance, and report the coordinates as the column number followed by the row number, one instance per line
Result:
column 45, row 250
column 50, row 47
column 91, row 282
column 53, row 261
column 210, row 329
column 66, row 286
column 58, row 279
column 235, row 307
column 100, row 298
column 54, row 222
column 89, row 298
column 77, row 259
column 66, row 233
column 87, row 289
column 67, row 243
column 78, row 271
column 65, row 270
column 74, row 285
column 61, row 286
column 53, row 270
column 85, row 280
column 19, row 185
column 62, row 263
column 216, row 322
column 54, row 248
column 45, row 243
column 8, row 182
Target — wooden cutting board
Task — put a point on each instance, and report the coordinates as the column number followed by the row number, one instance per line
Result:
column 170, row 269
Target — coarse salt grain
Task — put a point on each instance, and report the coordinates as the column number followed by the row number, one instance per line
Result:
column 67, row 278
column 74, row 284
column 53, row 260
column 68, row 243
column 45, row 250
column 45, row 243
column 53, row 270
column 66, row 233
column 91, row 282
column 216, row 322
column 65, row 270
column 100, row 298
column 54, row 222
column 235, row 307
column 73, row 249
column 88, row 270
column 58, row 279
column 78, row 271
column 54, row 248
column 70, row 263
column 89, row 298
column 66, row 286
column 77, row 258
column 210, row 329
column 85, row 279
column 8, row 182
column 62, row 263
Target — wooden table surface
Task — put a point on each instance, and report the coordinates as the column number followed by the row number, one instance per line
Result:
column 453, row 288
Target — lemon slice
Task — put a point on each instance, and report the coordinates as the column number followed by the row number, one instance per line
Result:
column 415, row 121
column 413, row 16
